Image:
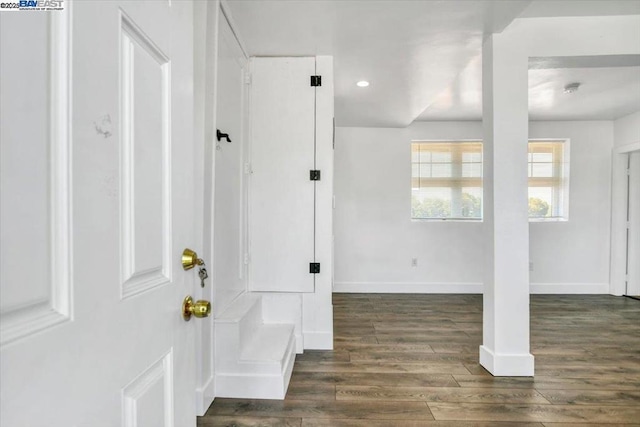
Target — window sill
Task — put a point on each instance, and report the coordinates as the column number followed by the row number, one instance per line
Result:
column 548, row 219
column 468, row 221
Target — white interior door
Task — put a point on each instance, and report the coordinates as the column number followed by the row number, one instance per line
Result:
column 282, row 197
column 97, row 206
column 229, row 269
column 633, row 243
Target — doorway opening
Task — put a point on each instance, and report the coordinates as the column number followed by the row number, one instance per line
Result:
column 632, row 265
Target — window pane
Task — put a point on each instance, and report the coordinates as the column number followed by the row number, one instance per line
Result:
column 441, row 157
column 424, row 170
column 468, row 157
column 434, row 202
column 540, row 202
column 548, row 180
column 542, row 157
column 472, row 202
column 471, row 170
column 443, row 168
column 542, row 170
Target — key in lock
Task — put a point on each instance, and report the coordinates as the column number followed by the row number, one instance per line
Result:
column 202, row 273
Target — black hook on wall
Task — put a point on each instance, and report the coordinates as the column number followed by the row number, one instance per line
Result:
column 221, row 135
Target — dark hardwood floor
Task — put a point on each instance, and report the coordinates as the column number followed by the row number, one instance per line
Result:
column 412, row 360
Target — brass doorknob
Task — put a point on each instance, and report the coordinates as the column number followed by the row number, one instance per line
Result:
column 200, row 308
column 190, row 259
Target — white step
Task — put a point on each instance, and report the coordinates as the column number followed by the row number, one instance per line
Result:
column 268, row 351
column 238, row 309
column 253, row 359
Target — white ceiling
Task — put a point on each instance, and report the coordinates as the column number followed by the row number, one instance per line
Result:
column 610, row 89
column 407, row 50
column 422, row 57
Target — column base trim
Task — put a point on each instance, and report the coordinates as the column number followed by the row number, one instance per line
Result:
column 318, row 340
column 507, row 365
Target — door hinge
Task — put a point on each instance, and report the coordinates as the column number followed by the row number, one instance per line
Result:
column 316, row 80
column 314, row 267
column 247, row 168
column 247, row 78
column 246, row 259
column 314, row 175
column 629, row 172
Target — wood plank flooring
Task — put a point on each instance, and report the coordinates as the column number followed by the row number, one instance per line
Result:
column 412, row 360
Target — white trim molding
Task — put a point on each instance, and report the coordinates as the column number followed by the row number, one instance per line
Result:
column 506, row 365
column 318, row 340
column 460, row 288
column 407, row 288
column 569, row 288
column 619, row 196
column 205, row 396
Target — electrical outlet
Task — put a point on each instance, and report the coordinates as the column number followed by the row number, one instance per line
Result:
column 414, row 262
column 530, row 266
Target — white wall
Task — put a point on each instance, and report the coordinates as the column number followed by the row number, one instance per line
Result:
column 577, row 251
column 627, row 129
column 375, row 238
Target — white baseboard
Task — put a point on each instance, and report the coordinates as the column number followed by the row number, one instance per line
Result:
column 507, row 365
column 569, row 288
column 299, row 343
column 461, row 288
column 407, row 288
column 318, row 340
column 205, row 396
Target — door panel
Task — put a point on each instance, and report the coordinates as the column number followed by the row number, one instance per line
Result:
column 114, row 203
column 230, row 201
column 144, row 180
column 34, row 181
column 282, row 197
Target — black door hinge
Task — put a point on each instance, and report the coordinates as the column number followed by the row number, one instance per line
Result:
column 314, row 175
column 314, row 267
column 316, row 80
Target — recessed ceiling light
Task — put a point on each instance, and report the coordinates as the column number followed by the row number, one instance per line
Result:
column 363, row 83
column 571, row 87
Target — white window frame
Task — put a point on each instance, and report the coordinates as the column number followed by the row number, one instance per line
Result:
column 446, row 141
column 564, row 196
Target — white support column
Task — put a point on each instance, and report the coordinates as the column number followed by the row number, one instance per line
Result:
column 505, row 349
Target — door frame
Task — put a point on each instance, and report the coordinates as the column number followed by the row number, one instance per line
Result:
column 206, row 35
column 619, row 200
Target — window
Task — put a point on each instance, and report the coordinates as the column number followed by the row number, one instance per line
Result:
column 446, row 180
column 548, row 169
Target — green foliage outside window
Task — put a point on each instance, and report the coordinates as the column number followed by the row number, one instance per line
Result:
column 440, row 208
column 538, row 208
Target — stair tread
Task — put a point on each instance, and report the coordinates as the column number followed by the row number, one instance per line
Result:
column 269, row 344
column 238, row 308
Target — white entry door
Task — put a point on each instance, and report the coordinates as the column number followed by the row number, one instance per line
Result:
column 97, row 205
